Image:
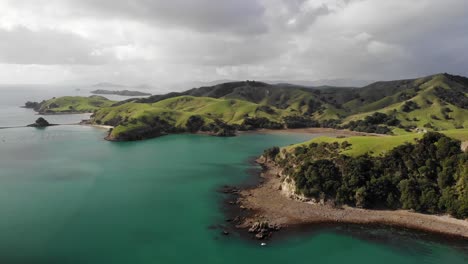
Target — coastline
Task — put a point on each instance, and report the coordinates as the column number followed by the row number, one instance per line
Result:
column 313, row 130
column 98, row 126
column 265, row 203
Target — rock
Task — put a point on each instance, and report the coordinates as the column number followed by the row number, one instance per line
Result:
column 228, row 189
column 40, row 122
column 254, row 227
column 263, row 229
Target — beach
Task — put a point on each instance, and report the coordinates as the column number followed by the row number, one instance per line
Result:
column 331, row 132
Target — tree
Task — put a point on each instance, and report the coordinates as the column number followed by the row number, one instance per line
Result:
column 271, row 153
column 361, row 197
column 409, row 194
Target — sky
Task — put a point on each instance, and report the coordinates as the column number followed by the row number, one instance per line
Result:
column 160, row 42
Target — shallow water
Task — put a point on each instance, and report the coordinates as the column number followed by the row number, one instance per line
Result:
column 67, row 196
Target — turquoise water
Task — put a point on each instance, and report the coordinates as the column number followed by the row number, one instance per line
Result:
column 67, row 196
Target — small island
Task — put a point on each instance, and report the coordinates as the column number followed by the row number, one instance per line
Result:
column 40, row 123
column 121, row 92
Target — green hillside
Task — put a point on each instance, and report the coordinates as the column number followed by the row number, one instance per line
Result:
column 433, row 103
column 73, row 104
column 436, row 103
column 175, row 115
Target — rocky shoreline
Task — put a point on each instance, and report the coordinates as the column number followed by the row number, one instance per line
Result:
column 260, row 211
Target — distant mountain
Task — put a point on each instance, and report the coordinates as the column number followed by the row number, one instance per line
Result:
column 322, row 83
column 108, row 85
column 121, row 86
column 342, row 82
column 121, row 92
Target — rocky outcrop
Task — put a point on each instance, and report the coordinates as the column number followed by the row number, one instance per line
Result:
column 40, row 122
column 464, row 145
column 263, row 230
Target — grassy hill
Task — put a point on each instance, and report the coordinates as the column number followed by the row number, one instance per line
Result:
column 432, row 103
column 176, row 112
column 73, row 104
column 438, row 102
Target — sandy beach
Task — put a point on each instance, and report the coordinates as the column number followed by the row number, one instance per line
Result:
column 267, row 203
column 98, row 126
column 314, row 130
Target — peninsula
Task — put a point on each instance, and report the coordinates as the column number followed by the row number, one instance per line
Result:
column 420, row 184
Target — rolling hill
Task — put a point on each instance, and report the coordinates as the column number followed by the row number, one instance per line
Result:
column 432, row 103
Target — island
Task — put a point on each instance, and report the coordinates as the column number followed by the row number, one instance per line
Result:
column 120, row 92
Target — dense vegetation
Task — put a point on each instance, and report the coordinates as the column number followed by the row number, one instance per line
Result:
column 375, row 123
column 430, row 175
column 32, row 105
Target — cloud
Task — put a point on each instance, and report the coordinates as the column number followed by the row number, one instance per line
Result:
column 23, row 46
column 162, row 41
column 240, row 16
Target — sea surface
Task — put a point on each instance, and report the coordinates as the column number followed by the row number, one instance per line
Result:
column 68, row 196
column 14, row 96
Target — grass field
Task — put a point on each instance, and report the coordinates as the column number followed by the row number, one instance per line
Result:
column 375, row 145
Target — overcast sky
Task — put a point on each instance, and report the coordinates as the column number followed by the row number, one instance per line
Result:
column 161, row 41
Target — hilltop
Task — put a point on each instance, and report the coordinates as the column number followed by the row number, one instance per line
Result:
column 70, row 104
